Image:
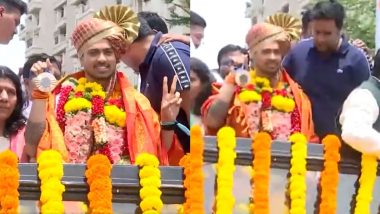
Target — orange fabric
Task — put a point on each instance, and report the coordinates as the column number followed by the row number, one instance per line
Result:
column 143, row 127
column 52, row 138
column 175, row 152
column 236, row 117
column 39, row 95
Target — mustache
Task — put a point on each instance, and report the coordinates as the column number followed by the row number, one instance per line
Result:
column 102, row 65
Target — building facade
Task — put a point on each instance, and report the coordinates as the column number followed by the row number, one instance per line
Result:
column 49, row 25
column 259, row 10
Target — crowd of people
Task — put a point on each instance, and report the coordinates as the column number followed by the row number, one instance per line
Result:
column 97, row 110
column 294, row 75
column 305, row 76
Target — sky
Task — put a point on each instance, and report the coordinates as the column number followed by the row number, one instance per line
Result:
column 13, row 54
column 226, row 25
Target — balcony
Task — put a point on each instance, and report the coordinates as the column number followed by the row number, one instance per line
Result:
column 74, row 2
column 34, row 6
column 32, row 50
column 61, row 23
column 59, row 3
column 60, row 47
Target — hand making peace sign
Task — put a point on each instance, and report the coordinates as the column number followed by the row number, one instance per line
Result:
column 171, row 101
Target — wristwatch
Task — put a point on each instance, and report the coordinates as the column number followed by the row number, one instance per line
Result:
column 45, row 82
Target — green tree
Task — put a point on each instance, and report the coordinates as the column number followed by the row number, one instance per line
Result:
column 360, row 20
column 179, row 12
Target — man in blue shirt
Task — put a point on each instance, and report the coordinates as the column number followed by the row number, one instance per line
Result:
column 326, row 66
column 153, row 61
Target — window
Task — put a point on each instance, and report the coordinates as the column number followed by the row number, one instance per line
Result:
column 56, row 39
column 62, row 12
column 29, row 43
column 62, row 31
column 38, row 20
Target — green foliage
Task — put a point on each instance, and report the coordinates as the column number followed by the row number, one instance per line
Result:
column 179, row 12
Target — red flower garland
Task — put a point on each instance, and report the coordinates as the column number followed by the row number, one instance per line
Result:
column 295, row 120
column 97, row 106
column 266, row 99
column 64, row 96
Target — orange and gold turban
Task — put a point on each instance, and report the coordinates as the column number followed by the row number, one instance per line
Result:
column 263, row 32
column 118, row 24
column 92, row 30
column 289, row 23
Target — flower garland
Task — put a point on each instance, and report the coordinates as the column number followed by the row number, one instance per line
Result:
column 185, row 163
column 150, row 181
column 225, row 170
column 81, row 110
column 98, row 174
column 9, row 176
column 297, row 186
column 367, row 183
column 50, row 172
column 196, row 166
column 259, row 89
column 330, row 174
column 269, row 109
column 261, row 147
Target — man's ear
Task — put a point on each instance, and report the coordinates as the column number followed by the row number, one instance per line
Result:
column 2, row 10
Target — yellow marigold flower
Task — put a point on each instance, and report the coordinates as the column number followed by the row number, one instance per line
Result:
column 77, row 104
column 98, row 87
column 150, row 191
column 267, row 89
column 226, row 138
column 49, row 155
column 298, row 137
column 52, row 207
column 149, row 171
column 262, row 82
column 249, row 96
column 146, row 159
column 101, row 94
column 82, row 81
column 79, row 88
column 151, row 203
column 114, row 115
column 152, row 182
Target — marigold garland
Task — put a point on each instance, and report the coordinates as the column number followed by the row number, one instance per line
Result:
column 297, row 186
column 50, row 172
column 367, row 183
column 9, row 176
column 279, row 98
column 261, row 147
column 196, row 166
column 98, row 174
column 225, row 199
column 330, row 175
column 185, row 163
column 150, row 181
column 82, row 103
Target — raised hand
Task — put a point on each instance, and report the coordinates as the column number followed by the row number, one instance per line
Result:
column 44, row 78
column 40, row 67
column 171, row 101
column 169, row 37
